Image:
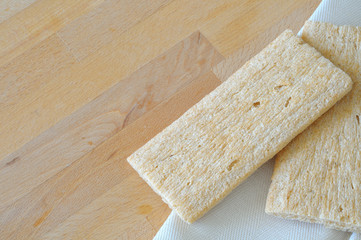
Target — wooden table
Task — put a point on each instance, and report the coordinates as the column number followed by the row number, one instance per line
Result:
column 84, row 83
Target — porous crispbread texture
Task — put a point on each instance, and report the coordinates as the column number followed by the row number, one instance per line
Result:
column 219, row 142
column 317, row 177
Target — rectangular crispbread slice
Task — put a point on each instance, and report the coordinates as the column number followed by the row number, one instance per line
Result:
column 196, row 161
column 317, row 177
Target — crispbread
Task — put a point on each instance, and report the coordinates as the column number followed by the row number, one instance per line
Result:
column 317, row 177
column 219, row 142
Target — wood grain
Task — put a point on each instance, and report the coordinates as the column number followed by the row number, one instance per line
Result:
column 20, row 79
column 56, row 94
column 252, row 17
column 294, row 21
column 113, row 214
column 75, row 86
column 84, row 83
column 37, row 22
column 57, row 199
column 110, row 19
column 8, row 8
column 83, row 130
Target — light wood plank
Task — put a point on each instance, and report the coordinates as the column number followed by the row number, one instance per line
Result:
column 18, row 81
column 83, row 130
column 250, row 22
column 36, row 165
column 112, row 214
column 9, row 8
column 70, row 65
column 23, row 75
column 81, row 82
column 84, row 81
column 252, row 46
column 91, row 176
column 91, row 31
column 49, row 96
column 37, row 22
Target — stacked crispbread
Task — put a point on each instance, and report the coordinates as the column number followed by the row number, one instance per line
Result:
column 317, row 177
column 201, row 157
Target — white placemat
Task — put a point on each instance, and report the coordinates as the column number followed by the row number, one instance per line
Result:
column 241, row 215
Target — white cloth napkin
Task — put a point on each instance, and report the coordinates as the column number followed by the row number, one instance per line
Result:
column 241, row 215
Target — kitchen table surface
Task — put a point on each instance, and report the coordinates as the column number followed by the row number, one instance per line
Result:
column 84, row 83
